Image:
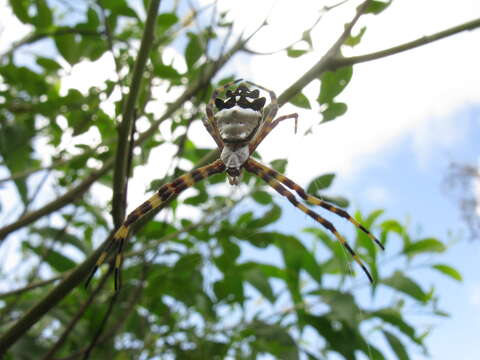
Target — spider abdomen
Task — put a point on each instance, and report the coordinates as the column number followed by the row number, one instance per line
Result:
column 237, row 125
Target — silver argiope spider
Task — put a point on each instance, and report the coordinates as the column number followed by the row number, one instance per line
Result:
column 240, row 124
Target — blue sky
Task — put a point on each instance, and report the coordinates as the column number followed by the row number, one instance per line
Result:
column 413, row 191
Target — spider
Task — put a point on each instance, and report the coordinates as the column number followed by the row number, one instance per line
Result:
column 239, row 125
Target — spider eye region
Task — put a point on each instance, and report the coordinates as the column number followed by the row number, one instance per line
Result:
column 237, row 124
column 243, row 98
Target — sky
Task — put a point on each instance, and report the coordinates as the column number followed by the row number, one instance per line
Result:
column 410, row 115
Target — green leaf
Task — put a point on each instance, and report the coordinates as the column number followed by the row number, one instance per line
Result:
column 333, row 83
column 339, row 336
column 307, row 37
column 119, row 7
column 193, row 51
column 292, row 252
column 165, row 21
column 20, row 9
column 376, row 7
column 230, row 288
column 333, row 111
column 48, row 64
column 56, row 260
column 428, row 245
column 93, row 22
column 275, row 340
column 16, row 149
column 337, row 200
column 394, row 317
column 320, row 183
column 61, row 235
column 392, row 226
column 201, row 198
column 44, row 17
column 156, row 230
column 301, row 101
column 449, row 271
column 256, row 277
column 68, row 47
column 342, row 306
column 262, row 239
column 268, row 218
column 166, row 72
column 294, row 53
column 279, row 164
column 396, row 345
column 355, row 40
column 400, row 282
column 262, row 197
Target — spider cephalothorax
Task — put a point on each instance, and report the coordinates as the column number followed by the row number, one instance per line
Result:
column 238, row 127
column 240, row 97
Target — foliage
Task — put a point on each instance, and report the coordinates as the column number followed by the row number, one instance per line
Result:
column 190, row 290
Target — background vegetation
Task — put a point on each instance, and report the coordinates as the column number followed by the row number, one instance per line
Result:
column 191, row 290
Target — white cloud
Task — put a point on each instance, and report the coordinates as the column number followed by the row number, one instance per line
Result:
column 87, row 74
column 474, row 294
column 377, row 195
column 11, row 29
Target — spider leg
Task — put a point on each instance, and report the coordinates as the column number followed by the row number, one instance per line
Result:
column 314, row 200
column 214, row 132
column 166, row 193
column 272, row 110
column 209, row 122
column 251, row 166
column 269, row 127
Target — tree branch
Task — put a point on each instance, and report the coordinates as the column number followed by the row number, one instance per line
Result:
column 347, row 61
column 77, row 317
column 48, row 302
column 125, row 128
column 31, row 286
column 36, row 36
column 58, row 203
column 325, row 63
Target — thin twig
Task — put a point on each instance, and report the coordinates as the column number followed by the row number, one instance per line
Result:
column 36, row 36
column 125, row 128
column 323, row 11
column 348, row 61
column 71, row 195
column 36, row 192
column 31, row 286
column 71, row 325
column 132, row 301
column 10, row 336
column 108, row 32
column 96, row 337
column 54, row 164
column 325, row 62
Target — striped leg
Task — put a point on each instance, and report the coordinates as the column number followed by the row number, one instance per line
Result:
column 278, row 187
column 166, row 193
column 269, row 127
column 314, row 200
column 272, row 112
column 209, row 122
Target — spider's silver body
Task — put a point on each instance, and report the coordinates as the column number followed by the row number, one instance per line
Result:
column 236, row 126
